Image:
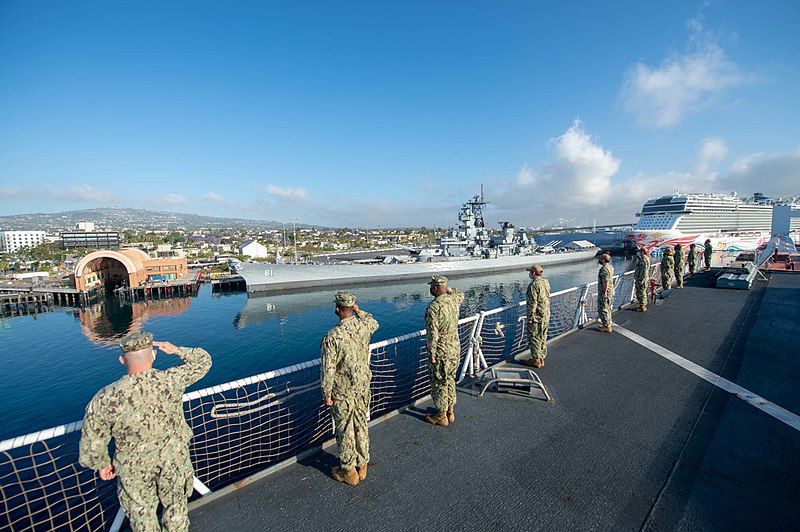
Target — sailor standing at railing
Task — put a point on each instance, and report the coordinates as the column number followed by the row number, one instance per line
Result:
column 679, row 262
column 444, row 348
column 143, row 413
column 707, row 253
column 537, row 312
column 605, row 292
column 642, row 279
column 691, row 258
column 345, row 385
column 667, row 265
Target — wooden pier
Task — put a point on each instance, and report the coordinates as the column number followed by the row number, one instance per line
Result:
column 161, row 289
column 233, row 283
column 54, row 295
column 17, row 304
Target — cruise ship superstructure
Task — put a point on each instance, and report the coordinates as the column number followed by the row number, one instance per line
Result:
column 732, row 223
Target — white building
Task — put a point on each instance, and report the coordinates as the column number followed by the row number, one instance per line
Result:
column 253, row 249
column 11, row 241
column 84, row 226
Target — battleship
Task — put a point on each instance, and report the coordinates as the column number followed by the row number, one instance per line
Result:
column 469, row 249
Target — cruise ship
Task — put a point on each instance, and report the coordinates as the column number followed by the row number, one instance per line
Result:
column 732, row 223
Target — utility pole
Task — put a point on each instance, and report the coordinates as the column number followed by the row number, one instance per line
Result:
column 294, row 224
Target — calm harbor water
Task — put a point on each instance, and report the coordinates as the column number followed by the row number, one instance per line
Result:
column 52, row 364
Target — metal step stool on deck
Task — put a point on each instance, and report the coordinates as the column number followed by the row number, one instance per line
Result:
column 509, row 378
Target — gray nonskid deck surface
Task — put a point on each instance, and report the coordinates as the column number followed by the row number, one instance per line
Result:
column 631, row 440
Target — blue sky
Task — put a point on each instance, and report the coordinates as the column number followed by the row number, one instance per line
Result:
column 368, row 114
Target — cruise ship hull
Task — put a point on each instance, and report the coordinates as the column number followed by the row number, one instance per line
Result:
column 266, row 277
column 736, row 241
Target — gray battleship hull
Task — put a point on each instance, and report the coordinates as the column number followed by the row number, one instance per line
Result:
column 266, row 277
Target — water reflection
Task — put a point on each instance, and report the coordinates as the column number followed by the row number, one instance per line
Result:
column 109, row 320
column 481, row 293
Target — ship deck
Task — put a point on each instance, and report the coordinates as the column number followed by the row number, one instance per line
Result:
column 636, row 436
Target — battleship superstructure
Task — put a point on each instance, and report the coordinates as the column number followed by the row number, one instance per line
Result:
column 732, row 223
column 467, row 250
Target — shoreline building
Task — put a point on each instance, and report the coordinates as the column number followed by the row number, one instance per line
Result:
column 253, row 249
column 11, row 241
column 125, row 267
column 85, row 235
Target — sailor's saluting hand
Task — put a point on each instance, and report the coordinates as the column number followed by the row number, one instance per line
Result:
column 166, row 347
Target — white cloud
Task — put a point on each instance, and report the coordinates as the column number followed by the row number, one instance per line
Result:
column 80, row 194
column 83, row 193
column 170, row 200
column 526, row 176
column 287, row 194
column 772, row 174
column 13, row 192
column 683, row 84
column 213, row 196
column 575, row 184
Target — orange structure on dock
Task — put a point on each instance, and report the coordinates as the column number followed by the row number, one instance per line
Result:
column 125, row 267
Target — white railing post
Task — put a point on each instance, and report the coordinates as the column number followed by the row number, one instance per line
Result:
column 473, row 361
column 580, row 312
column 468, row 365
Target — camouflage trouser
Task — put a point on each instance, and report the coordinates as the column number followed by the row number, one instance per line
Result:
column 707, row 257
column 352, row 436
column 443, row 382
column 692, row 267
column 604, row 310
column 537, row 338
column 641, row 292
column 666, row 279
column 143, row 485
column 679, row 276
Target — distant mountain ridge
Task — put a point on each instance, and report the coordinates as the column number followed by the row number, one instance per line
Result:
column 121, row 218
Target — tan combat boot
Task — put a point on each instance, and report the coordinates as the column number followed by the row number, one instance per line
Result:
column 439, row 418
column 362, row 471
column 348, row 476
column 450, row 414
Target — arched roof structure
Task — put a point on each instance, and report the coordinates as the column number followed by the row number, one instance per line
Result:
column 132, row 259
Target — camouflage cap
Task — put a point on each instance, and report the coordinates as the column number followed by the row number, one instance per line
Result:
column 136, row 341
column 668, row 251
column 344, row 299
column 438, row 280
column 535, row 269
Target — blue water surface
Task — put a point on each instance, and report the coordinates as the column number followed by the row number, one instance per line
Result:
column 53, row 363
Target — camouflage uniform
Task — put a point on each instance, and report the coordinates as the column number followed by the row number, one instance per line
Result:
column 143, row 413
column 691, row 258
column 642, row 277
column 538, row 313
column 605, row 293
column 707, row 254
column 345, row 378
column 667, row 265
column 441, row 324
column 680, row 260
